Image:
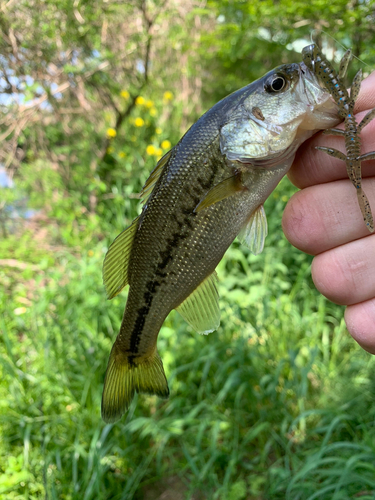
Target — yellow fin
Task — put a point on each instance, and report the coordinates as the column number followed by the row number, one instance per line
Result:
column 255, row 231
column 201, row 309
column 124, row 377
column 223, row 190
column 116, row 262
column 154, row 176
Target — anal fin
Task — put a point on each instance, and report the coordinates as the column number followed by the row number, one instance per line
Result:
column 201, row 309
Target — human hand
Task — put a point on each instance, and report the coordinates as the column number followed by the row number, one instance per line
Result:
column 324, row 219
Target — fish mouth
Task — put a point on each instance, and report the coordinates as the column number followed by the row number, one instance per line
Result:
column 314, row 93
column 322, row 111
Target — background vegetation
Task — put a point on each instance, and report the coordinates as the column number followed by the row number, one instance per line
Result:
column 279, row 402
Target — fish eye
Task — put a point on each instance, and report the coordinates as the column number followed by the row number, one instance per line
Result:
column 276, row 83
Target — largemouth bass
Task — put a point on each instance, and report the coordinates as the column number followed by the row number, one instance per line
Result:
column 203, row 193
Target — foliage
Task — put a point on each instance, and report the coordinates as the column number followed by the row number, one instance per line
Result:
column 279, row 402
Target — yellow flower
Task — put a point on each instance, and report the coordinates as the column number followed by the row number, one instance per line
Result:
column 149, row 103
column 168, row 96
column 19, row 310
column 284, row 198
column 150, row 150
column 153, row 112
column 139, row 122
column 90, row 253
column 122, row 154
column 166, row 144
column 140, row 100
column 111, row 132
column 158, row 152
column 125, row 94
column 158, row 130
column 109, row 150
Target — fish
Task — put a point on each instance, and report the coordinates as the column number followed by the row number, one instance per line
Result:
column 207, row 190
column 333, row 82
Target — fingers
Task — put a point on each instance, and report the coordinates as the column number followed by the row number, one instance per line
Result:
column 325, row 220
column 366, row 98
column 346, row 274
column 314, row 167
column 360, row 321
column 322, row 217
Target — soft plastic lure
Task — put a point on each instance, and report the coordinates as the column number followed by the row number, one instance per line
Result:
column 316, row 62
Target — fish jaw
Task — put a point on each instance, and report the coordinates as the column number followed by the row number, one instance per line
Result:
column 321, row 110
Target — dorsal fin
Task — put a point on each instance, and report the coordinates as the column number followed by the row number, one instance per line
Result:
column 254, row 232
column 201, row 309
column 116, row 262
column 154, row 176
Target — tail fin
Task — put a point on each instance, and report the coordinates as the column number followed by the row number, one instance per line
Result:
column 125, row 376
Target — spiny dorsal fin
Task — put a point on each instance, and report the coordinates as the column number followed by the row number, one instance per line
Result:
column 201, row 309
column 223, row 190
column 116, row 262
column 154, row 176
column 254, row 232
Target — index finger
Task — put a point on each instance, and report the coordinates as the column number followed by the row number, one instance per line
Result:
column 312, row 167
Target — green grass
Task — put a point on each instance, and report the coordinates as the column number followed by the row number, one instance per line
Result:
column 277, row 404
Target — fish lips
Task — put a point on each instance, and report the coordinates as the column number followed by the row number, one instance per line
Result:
column 322, row 111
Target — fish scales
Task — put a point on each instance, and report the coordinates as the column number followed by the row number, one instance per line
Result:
column 207, row 190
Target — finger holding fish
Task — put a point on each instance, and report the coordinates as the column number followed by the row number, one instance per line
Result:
column 325, row 216
column 360, row 321
column 322, row 220
column 346, row 274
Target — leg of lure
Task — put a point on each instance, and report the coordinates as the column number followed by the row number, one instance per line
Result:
column 367, row 118
column 332, row 81
column 356, row 85
column 344, row 63
column 367, row 156
column 332, row 152
column 365, row 209
column 334, row 131
column 351, row 175
column 337, row 154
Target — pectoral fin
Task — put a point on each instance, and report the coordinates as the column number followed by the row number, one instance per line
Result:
column 254, row 233
column 116, row 262
column 223, row 190
column 201, row 309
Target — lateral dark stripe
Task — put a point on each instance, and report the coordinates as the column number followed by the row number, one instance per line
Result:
column 166, row 256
